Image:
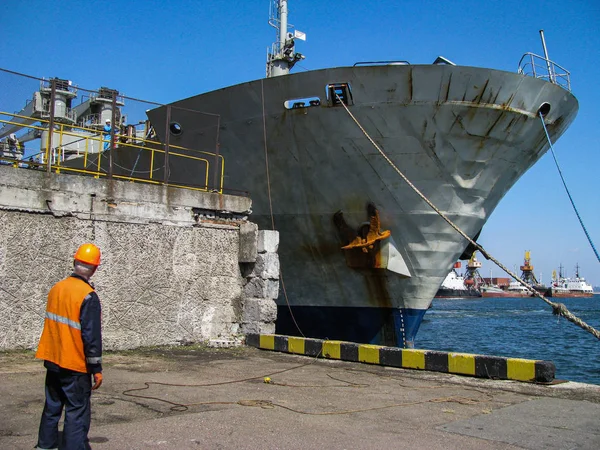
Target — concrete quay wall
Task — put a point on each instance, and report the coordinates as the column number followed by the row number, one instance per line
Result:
column 172, row 259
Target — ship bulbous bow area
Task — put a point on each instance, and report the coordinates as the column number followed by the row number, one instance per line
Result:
column 462, row 136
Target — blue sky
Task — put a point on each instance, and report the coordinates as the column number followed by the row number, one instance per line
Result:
column 164, row 51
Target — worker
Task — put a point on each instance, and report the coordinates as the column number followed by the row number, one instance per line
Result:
column 107, row 130
column 14, row 147
column 71, row 347
column 13, row 144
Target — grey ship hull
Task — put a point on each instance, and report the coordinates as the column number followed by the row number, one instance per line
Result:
column 462, row 135
column 457, row 293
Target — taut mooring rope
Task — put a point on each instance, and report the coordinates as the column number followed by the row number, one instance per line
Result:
column 567, row 189
column 558, row 309
column 264, row 120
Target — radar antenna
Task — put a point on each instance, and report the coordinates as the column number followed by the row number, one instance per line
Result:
column 282, row 55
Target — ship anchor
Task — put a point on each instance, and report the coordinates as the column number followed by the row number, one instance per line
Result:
column 366, row 235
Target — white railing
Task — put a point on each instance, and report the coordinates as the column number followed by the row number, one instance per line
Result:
column 539, row 67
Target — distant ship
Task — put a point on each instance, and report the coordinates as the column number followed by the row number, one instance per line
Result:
column 516, row 289
column 493, row 291
column 361, row 254
column 569, row 287
column 454, row 286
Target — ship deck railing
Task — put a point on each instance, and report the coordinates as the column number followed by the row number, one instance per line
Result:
column 88, row 144
column 539, row 67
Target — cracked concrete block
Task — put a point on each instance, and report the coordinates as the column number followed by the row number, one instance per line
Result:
column 267, row 328
column 259, row 310
column 260, row 288
column 268, row 241
column 248, row 243
column 268, row 310
column 271, row 289
column 251, row 310
column 267, row 266
column 258, row 328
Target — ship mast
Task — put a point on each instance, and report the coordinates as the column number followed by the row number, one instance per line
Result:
column 282, row 55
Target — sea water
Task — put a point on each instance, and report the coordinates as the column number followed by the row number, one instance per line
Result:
column 517, row 328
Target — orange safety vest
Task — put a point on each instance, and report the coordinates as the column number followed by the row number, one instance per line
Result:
column 61, row 341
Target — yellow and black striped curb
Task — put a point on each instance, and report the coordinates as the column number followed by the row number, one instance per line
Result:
column 481, row 366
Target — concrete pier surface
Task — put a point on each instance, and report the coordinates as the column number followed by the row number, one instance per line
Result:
column 197, row 397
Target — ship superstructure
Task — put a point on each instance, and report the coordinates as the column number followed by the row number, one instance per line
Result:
column 79, row 127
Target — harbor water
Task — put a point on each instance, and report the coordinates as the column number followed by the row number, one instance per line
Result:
column 517, row 328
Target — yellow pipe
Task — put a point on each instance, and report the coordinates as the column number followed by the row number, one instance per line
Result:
column 222, row 174
column 99, row 138
column 152, row 164
column 85, row 153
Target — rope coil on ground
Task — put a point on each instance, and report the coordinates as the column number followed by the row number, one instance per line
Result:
column 558, row 308
column 268, row 404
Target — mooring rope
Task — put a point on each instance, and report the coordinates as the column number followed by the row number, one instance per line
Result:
column 558, row 309
column 264, row 120
column 567, row 189
column 269, row 404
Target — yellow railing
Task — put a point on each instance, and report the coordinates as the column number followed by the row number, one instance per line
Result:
column 80, row 144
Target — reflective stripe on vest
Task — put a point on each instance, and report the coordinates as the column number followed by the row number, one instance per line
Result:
column 61, row 341
column 65, row 320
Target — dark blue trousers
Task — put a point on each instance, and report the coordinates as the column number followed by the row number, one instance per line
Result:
column 71, row 390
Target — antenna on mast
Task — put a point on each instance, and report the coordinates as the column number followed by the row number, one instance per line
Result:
column 282, row 55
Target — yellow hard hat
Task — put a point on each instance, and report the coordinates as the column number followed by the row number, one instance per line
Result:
column 88, row 254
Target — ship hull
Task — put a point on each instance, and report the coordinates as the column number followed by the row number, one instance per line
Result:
column 352, row 324
column 505, row 294
column 457, row 293
column 567, row 294
column 462, row 135
column 513, row 293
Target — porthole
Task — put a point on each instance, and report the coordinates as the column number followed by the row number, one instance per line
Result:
column 175, row 129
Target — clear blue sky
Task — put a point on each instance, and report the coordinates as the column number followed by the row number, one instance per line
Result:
column 167, row 50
